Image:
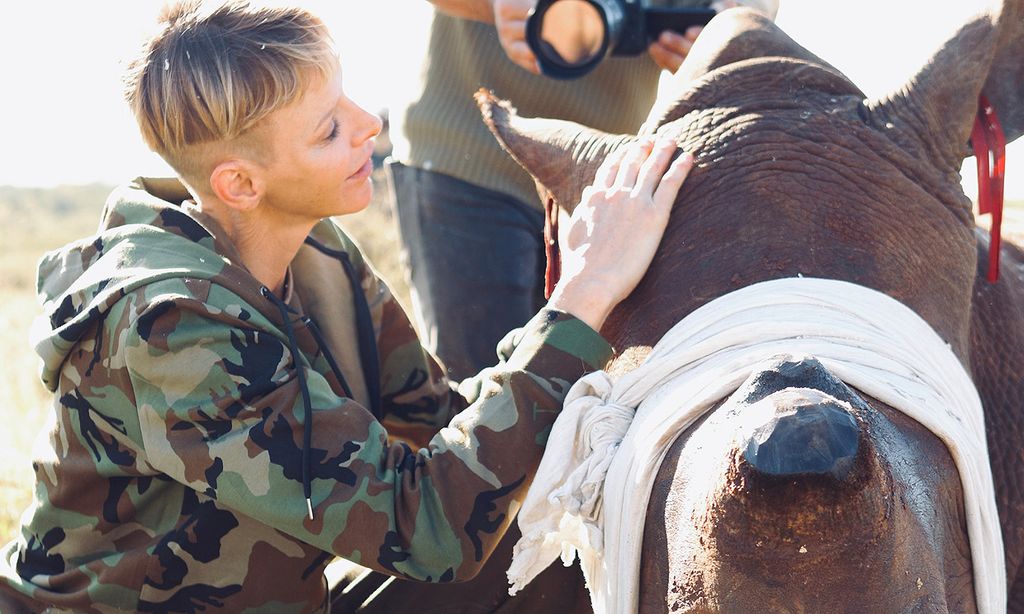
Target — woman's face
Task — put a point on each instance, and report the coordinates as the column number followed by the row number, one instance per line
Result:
column 320, row 162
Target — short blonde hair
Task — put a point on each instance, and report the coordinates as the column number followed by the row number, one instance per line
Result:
column 215, row 70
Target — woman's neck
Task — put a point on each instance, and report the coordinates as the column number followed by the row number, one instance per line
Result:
column 266, row 244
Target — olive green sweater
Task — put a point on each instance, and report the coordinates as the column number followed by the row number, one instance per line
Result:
column 442, row 130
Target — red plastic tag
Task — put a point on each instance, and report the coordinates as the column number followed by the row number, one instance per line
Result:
column 553, row 268
column 989, row 144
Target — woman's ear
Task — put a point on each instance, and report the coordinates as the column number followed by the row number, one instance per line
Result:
column 237, row 183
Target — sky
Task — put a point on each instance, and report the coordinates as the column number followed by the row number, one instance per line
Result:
column 63, row 121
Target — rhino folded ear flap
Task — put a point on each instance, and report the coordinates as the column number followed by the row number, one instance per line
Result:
column 562, row 156
column 939, row 103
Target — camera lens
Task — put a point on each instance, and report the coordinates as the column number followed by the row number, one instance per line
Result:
column 569, row 37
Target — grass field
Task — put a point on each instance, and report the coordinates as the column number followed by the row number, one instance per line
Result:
column 38, row 221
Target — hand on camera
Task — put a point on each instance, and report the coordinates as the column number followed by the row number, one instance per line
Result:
column 671, row 48
column 510, row 23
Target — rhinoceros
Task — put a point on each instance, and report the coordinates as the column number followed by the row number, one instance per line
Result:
column 799, row 175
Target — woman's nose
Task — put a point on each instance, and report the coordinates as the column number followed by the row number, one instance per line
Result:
column 373, row 124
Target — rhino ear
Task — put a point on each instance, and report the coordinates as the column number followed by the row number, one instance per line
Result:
column 1004, row 86
column 939, row 104
column 562, row 156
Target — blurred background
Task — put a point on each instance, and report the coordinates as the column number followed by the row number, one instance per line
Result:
column 63, row 120
column 66, row 136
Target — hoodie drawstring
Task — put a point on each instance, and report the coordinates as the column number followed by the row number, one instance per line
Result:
column 322, row 343
column 307, row 424
column 368, row 356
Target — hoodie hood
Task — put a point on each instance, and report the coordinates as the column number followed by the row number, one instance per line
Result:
column 148, row 235
column 145, row 236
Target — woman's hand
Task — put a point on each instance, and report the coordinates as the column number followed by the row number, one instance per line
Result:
column 617, row 227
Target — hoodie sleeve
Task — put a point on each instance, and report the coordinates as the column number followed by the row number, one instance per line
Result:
column 221, row 411
column 417, row 398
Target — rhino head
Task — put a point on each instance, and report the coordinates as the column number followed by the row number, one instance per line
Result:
column 799, row 174
column 784, row 143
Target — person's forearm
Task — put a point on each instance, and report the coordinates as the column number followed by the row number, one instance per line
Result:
column 477, row 10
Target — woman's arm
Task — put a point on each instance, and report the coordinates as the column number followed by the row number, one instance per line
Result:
column 234, row 432
column 222, row 402
column 477, row 10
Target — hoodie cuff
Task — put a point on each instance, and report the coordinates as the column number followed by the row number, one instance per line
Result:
column 556, row 332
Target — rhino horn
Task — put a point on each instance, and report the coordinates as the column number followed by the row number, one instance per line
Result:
column 800, row 424
column 779, row 520
column 938, row 105
column 562, row 156
column 813, row 439
column 806, row 462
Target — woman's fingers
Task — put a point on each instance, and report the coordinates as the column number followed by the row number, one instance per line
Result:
column 672, row 180
column 609, row 169
column 639, row 169
column 630, row 166
column 615, row 231
column 654, row 167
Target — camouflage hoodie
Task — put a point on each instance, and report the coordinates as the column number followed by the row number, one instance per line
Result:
column 195, row 412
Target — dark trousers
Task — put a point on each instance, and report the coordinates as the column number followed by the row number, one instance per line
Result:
column 475, row 262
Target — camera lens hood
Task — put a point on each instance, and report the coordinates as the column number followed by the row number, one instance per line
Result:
column 551, row 63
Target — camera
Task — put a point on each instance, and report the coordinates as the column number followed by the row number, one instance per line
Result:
column 571, row 37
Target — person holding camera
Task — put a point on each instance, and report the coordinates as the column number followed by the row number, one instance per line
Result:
column 470, row 220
